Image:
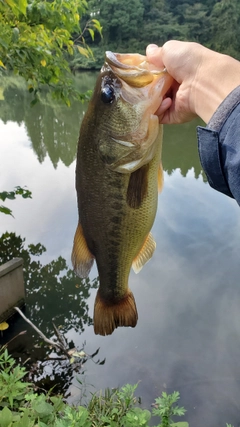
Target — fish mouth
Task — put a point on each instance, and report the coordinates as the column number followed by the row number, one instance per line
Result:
column 133, row 69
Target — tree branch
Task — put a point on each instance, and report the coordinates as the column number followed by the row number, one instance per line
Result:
column 59, row 346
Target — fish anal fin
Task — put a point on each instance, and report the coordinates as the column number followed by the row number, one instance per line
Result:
column 109, row 316
column 160, row 178
column 82, row 259
column 137, row 187
column 145, row 253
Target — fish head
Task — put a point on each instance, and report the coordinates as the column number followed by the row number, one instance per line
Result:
column 128, row 92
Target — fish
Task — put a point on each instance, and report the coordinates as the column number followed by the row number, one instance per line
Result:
column 118, row 176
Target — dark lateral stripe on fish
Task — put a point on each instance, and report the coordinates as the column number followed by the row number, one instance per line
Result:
column 137, row 187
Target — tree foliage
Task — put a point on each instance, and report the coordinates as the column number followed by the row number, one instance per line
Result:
column 11, row 195
column 214, row 23
column 37, row 37
column 43, row 40
column 226, row 37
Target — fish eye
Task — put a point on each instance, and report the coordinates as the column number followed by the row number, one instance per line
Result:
column 107, row 94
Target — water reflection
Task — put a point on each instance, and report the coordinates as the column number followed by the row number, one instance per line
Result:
column 53, row 128
column 53, row 293
column 44, row 283
column 188, row 297
column 180, row 149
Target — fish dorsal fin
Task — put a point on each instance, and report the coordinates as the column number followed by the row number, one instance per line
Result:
column 82, row 259
column 160, row 178
column 145, row 253
column 137, row 187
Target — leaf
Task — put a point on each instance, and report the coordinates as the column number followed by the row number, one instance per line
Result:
column 67, row 102
column 57, row 403
column 95, row 353
column 22, row 6
column 6, row 210
column 24, row 421
column 18, row 6
column 43, row 409
column 97, row 25
column 80, row 354
column 83, row 51
column 3, row 43
column 91, row 33
column 6, row 417
column 33, row 102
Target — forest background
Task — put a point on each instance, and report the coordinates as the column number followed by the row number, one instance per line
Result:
column 45, row 41
column 129, row 26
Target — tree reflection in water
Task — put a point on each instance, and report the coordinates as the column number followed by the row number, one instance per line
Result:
column 49, row 289
column 53, row 128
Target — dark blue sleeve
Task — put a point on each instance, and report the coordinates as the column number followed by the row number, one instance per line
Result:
column 219, row 147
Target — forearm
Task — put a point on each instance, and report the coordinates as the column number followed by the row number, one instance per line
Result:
column 216, row 77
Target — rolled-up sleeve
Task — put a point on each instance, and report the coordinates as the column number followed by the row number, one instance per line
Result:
column 219, row 147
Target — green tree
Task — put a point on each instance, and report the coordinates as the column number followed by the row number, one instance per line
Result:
column 225, row 27
column 160, row 24
column 36, row 37
column 121, row 22
column 195, row 20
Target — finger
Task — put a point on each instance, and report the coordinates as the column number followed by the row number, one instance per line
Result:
column 153, row 53
column 165, row 105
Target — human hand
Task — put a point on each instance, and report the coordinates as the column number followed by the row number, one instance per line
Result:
column 202, row 79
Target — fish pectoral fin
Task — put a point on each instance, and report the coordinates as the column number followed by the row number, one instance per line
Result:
column 137, row 187
column 145, row 253
column 112, row 153
column 108, row 316
column 160, row 178
column 82, row 259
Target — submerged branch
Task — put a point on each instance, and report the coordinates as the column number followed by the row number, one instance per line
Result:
column 59, row 346
column 78, row 357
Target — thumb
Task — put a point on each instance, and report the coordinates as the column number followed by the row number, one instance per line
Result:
column 153, row 53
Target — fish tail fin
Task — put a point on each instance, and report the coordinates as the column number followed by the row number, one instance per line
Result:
column 108, row 316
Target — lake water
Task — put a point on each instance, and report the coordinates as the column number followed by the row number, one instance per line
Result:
column 188, row 296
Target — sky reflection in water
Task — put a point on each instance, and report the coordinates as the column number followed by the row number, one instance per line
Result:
column 188, row 296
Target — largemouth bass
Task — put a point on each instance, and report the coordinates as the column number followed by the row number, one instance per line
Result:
column 118, row 173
